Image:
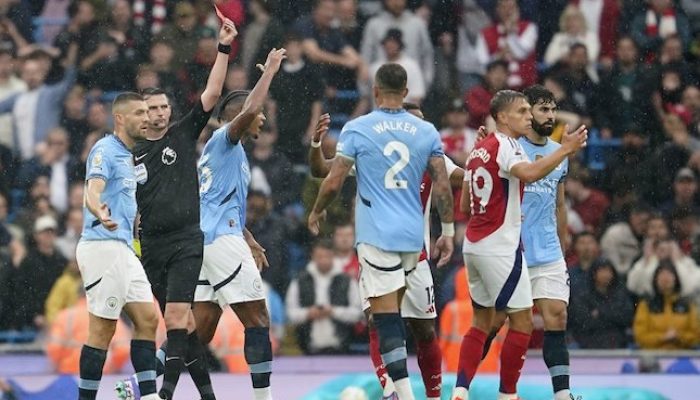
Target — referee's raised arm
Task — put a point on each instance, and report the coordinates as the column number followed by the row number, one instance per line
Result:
column 215, row 83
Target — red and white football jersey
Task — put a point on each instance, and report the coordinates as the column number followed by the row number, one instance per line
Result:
column 426, row 192
column 496, row 217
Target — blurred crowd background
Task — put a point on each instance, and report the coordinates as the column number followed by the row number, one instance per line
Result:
column 628, row 69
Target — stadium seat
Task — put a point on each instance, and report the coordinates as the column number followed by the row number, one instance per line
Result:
column 683, row 365
column 598, row 151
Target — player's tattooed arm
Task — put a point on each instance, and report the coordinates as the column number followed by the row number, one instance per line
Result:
column 442, row 197
column 330, row 187
column 319, row 165
column 442, row 193
column 256, row 99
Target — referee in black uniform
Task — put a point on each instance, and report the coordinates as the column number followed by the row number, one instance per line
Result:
column 168, row 200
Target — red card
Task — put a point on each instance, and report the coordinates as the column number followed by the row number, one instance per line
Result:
column 219, row 14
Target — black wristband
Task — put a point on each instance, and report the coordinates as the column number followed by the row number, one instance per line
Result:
column 225, row 48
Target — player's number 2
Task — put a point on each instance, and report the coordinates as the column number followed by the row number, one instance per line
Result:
column 390, row 181
column 482, row 192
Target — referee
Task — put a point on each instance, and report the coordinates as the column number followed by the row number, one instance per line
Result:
column 168, row 200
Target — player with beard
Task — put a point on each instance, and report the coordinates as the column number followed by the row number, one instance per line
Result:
column 544, row 237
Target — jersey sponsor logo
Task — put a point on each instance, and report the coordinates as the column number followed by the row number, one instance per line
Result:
column 169, row 156
column 141, row 173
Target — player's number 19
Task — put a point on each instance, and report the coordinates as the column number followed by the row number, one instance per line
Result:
column 481, row 193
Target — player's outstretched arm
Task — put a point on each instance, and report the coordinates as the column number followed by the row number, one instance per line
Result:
column 215, row 83
column 330, row 187
column 255, row 100
column 95, row 187
column 442, row 197
column 320, row 166
column 571, row 143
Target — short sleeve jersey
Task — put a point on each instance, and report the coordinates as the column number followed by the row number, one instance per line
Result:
column 224, row 176
column 539, row 230
column 494, row 226
column 166, row 172
column 391, row 150
column 110, row 160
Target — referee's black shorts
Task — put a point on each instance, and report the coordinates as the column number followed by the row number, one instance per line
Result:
column 172, row 262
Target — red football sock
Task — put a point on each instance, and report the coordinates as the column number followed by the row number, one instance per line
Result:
column 430, row 363
column 512, row 359
column 470, row 356
column 376, row 356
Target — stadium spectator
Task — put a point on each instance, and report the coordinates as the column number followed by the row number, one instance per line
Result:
column 9, row 84
column 457, row 138
column 620, row 91
column 183, row 34
column 69, row 331
column 73, row 119
column 36, row 276
column 65, row 293
column 324, row 44
column 473, row 20
column 273, row 233
column 640, row 279
column 55, row 162
column 345, row 257
column 627, row 163
column 324, row 303
column 414, row 34
column 600, row 315
column 660, row 20
column 602, row 19
column 261, row 34
column 685, row 191
column 685, row 228
column 296, row 101
column 580, row 80
column 275, row 168
column 572, row 30
column 133, row 41
column 586, row 252
column 478, row 97
column 511, row 39
column 621, row 242
column 38, row 110
column 68, row 242
column 83, row 28
column 666, row 319
column 351, row 22
column 588, row 202
column 393, row 51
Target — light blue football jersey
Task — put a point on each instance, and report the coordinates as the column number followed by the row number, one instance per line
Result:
column 539, row 229
column 110, row 160
column 391, row 150
column 224, row 175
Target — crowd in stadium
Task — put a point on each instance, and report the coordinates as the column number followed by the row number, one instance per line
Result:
column 627, row 69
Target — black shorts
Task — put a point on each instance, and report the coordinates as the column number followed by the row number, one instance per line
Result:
column 172, row 262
